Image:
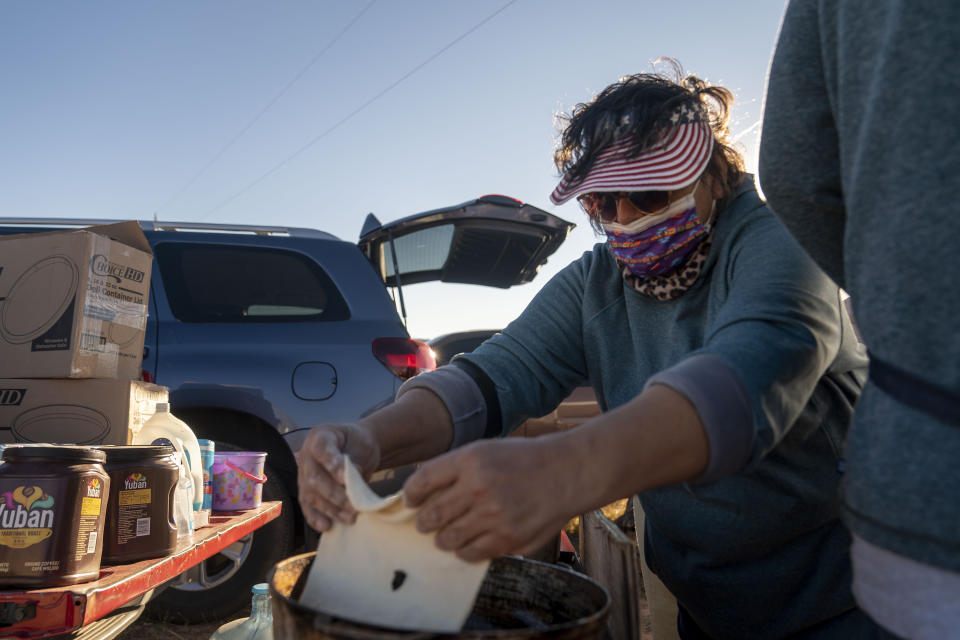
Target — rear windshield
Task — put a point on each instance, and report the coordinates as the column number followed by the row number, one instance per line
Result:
column 211, row 283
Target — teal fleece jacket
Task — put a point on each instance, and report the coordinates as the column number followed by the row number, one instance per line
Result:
column 763, row 525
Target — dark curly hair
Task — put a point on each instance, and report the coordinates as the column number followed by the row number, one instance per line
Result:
column 639, row 107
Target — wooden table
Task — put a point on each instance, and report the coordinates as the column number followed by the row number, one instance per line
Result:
column 44, row 613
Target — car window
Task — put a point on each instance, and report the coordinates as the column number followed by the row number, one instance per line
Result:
column 424, row 250
column 221, row 283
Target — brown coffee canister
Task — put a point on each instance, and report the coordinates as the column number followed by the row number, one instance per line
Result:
column 140, row 524
column 53, row 504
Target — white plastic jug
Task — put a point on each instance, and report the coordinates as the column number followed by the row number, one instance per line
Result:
column 169, row 429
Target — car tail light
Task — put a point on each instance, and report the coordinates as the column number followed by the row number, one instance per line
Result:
column 404, row 357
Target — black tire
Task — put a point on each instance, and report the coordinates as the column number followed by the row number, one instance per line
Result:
column 230, row 575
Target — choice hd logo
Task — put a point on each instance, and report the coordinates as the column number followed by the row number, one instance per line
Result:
column 102, row 266
column 11, row 397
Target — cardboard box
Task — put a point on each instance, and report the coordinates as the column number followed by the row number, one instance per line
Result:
column 73, row 304
column 76, row 411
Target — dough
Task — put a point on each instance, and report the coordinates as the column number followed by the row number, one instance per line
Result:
column 382, row 571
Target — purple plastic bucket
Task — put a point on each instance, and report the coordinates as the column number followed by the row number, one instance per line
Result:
column 238, row 480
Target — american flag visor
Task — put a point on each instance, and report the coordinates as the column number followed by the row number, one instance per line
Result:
column 674, row 163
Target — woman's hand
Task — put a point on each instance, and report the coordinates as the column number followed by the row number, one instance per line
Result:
column 320, row 471
column 492, row 498
column 415, row 427
column 510, row 496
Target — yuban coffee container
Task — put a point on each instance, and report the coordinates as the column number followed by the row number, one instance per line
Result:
column 53, row 504
column 140, row 524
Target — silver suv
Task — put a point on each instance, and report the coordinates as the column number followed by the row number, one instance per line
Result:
column 261, row 332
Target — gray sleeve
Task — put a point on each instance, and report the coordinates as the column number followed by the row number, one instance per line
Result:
column 720, row 398
column 460, row 395
column 799, row 162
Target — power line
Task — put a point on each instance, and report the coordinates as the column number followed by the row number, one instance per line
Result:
column 353, row 113
column 262, row 111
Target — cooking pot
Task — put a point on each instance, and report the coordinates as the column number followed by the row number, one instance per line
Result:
column 519, row 598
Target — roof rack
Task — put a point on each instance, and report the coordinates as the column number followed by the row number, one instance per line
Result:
column 150, row 225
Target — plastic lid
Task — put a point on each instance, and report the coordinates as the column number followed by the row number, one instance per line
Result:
column 261, row 589
column 61, row 452
column 126, row 452
column 163, row 407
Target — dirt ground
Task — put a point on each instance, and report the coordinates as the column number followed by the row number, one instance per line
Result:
column 144, row 629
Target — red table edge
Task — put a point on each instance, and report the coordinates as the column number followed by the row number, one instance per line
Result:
column 119, row 584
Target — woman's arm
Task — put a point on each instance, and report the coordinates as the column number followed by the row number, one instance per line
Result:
column 779, row 329
column 420, row 424
column 415, row 427
column 513, row 495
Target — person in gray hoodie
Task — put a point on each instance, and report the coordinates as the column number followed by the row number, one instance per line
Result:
column 721, row 357
column 860, row 158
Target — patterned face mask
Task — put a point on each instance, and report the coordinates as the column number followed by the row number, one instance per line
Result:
column 658, row 244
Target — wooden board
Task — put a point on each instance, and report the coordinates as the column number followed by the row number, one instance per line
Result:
column 610, row 557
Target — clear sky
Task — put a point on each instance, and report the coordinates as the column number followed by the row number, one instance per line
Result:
column 315, row 113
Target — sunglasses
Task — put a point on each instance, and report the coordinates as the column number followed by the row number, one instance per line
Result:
column 603, row 205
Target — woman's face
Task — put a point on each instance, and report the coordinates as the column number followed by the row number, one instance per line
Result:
column 705, row 192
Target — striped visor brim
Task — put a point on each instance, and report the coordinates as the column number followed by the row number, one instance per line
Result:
column 676, row 162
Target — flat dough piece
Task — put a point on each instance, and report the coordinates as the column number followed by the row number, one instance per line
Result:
column 382, row 571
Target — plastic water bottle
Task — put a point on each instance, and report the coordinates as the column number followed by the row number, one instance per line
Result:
column 259, row 626
column 166, row 428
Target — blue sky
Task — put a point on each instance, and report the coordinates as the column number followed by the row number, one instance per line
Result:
column 118, row 109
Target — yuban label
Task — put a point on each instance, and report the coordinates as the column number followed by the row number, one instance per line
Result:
column 26, row 517
column 90, row 505
column 135, row 480
column 89, row 521
column 94, row 488
column 136, row 490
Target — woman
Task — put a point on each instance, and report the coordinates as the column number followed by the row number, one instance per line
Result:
column 718, row 351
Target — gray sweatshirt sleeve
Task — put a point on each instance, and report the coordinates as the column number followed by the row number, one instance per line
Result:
column 779, row 329
column 799, row 166
column 460, row 395
column 717, row 393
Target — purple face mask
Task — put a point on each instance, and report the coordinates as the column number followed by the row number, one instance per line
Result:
column 658, row 248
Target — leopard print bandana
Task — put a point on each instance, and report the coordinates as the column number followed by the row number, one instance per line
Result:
column 672, row 285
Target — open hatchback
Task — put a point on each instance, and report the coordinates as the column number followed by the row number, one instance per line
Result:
column 494, row 241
